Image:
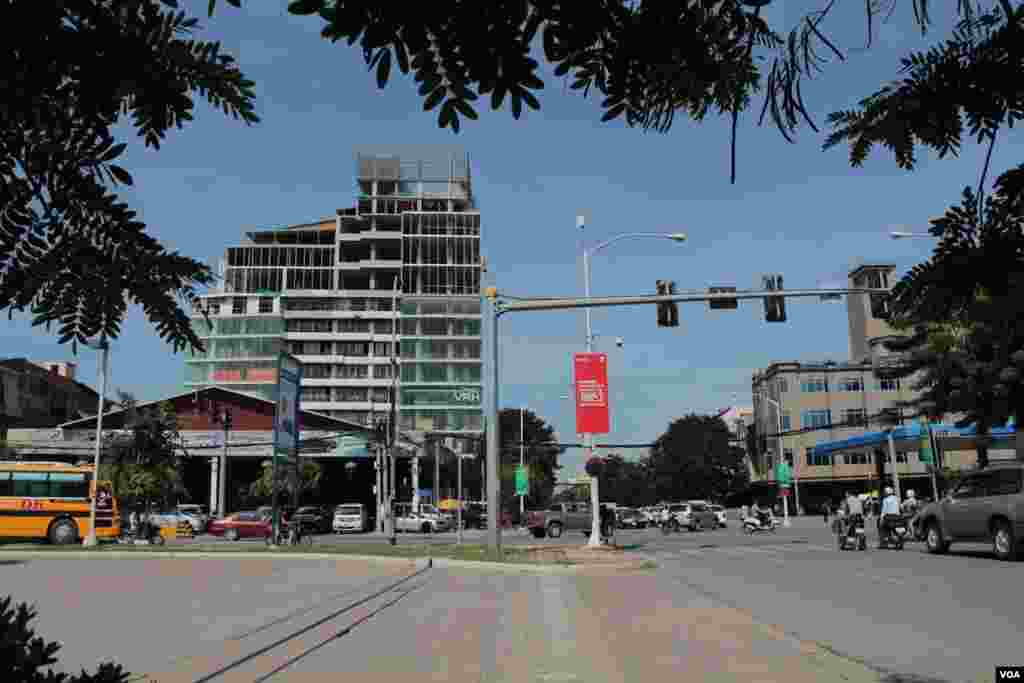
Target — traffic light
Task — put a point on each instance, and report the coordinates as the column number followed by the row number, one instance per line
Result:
column 774, row 306
column 722, row 304
column 668, row 312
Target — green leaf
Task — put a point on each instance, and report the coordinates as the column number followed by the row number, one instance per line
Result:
column 497, row 97
column 305, row 7
column 434, row 99
column 213, row 5
column 613, row 113
column 122, row 176
column 466, row 110
column 383, row 68
column 113, row 152
column 517, row 104
column 531, row 101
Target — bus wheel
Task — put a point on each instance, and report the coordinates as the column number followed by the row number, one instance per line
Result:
column 63, row 532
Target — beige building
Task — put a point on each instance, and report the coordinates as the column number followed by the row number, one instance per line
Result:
column 799, row 406
column 815, row 402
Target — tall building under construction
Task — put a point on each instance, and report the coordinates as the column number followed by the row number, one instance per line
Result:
column 327, row 292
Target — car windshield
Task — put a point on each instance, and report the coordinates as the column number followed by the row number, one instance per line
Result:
column 349, row 510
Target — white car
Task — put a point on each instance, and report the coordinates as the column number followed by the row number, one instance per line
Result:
column 350, row 517
column 425, row 520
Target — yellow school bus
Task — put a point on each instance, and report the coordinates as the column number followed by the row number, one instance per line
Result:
column 51, row 500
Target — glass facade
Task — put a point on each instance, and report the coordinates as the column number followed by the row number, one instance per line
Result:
column 241, row 352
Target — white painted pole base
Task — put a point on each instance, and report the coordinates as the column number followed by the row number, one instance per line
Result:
column 785, row 512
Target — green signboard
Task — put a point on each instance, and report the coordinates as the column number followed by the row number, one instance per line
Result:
column 783, row 475
column 522, row 481
column 925, row 449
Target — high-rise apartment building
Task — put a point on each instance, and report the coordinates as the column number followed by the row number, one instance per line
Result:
column 327, row 291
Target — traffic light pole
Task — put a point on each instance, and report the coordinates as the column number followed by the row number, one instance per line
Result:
column 500, row 306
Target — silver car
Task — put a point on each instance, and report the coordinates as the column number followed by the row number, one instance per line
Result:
column 987, row 505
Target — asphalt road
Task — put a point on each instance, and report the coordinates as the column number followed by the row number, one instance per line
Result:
column 942, row 618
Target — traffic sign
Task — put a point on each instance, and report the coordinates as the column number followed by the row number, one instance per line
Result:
column 783, row 474
column 925, row 449
column 522, row 481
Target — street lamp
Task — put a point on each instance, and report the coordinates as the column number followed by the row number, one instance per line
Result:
column 778, row 427
column 100, row 345
column 595, row 501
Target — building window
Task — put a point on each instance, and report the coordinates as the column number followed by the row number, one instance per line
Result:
column 787, row 455
column 351, row 394
column 887, row 385
column 381, row 349
column 382, row 372
column 851, row 384
column 316, row 371
column 315, row 394
column 382, row 327
column 352, row 325
column 786, row 422
column 351, row 371
column 381, row 394
column 818, row 460
column 782, row 385
column 353, row 349
column 266, row 304
column 816, row 419
column 816, row 385
column 855, row 417
column 238, row 305
column 326, row 348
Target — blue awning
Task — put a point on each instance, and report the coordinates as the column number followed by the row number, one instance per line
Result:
column 906, row 432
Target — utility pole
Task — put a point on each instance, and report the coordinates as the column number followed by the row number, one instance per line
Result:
column 437, row 474
column 595, row 494
column 522, row 459
column 458, row 514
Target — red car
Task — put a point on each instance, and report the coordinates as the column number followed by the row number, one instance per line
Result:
column 241, row 525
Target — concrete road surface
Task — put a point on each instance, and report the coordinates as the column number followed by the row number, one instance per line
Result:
column 295, row 620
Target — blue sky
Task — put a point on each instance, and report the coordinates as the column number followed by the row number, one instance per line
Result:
column 795, row 209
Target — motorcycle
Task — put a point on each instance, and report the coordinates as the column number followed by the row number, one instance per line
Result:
column 753, row 525
column 892, row 533
column 853, row 537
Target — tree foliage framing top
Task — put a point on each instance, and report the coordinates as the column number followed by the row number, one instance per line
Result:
column 647, row 60
column 70, row 252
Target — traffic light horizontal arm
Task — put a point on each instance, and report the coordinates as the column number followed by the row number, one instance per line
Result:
column 554, row 304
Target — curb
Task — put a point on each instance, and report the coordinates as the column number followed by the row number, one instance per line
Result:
column 440, row 562
column 512, row 567
column 116, row 555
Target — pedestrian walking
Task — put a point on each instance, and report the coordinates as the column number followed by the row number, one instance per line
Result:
column 825, row 512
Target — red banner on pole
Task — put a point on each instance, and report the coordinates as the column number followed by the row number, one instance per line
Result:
column 591, row 372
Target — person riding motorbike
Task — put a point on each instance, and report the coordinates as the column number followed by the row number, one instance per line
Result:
column 762, row 515
column 890, row 513
column 853, row 509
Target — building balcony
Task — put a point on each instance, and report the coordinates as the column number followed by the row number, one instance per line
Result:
column 343, row 360
column 322, row 406
column 347, row 382
column 328, row 315
column 385, row 263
